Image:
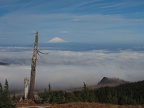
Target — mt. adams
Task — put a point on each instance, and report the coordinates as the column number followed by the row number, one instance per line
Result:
column 56, row 40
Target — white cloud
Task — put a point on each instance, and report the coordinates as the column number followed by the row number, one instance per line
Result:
column 100, row 27
column 71, row 69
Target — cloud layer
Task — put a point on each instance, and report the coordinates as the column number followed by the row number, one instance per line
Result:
column 66, row 69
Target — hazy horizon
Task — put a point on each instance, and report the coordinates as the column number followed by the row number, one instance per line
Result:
column 70, row 68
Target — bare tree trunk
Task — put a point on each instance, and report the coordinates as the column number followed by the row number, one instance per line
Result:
column 33, row 68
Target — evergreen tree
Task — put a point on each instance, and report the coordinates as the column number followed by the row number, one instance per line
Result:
column 49, row 87
column 85, row 87
column 85, row 93
column 1, row 91
column 131, row 93
column 6, row 101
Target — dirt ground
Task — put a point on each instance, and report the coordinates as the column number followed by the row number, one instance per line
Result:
column 77, row 105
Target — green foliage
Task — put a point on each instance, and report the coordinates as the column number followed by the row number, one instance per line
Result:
column 130, row 93
column 5, row 99
column 49, row 87
column 126, row 94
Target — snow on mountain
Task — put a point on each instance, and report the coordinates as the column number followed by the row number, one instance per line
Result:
column 56, row 40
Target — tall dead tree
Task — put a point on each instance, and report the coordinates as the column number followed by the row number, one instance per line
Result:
column 33, row 68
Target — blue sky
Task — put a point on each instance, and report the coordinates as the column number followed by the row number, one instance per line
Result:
column 99, row 21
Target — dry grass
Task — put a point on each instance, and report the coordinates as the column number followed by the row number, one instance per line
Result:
column 29, row 103
column 80, row 105
column 92, row 105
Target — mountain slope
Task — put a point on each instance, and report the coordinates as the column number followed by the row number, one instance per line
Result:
column 104, row 82
column 111, row 82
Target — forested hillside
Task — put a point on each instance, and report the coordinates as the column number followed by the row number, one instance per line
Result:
column 125, row 94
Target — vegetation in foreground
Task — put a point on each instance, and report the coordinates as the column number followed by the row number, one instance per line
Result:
column 125, row 94
column 92, row 105
column 5, row 99
column 130, row 95
column 81, row 105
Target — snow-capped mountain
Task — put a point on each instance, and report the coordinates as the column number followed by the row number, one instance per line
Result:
column 56, row 40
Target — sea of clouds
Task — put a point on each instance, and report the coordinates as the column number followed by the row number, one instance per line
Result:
column 68, row 69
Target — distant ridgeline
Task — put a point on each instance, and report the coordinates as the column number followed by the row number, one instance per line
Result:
column 3, row 63
column 124, row 94
column 77, row 46
column 110, row 82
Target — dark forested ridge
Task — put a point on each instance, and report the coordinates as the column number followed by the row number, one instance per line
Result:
column 3, row 63
column 124, row 94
